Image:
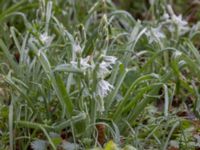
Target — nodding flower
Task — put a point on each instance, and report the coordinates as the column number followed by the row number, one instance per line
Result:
column 46, row 40
column 154, row 35
column 84, row 63
column 110, row 59
column 77, row 49
column 103, row 88
column 104, row 69
column 173, row 19
column 39, row 145
column 180, row 23
column 179, row 20
column 106, row 65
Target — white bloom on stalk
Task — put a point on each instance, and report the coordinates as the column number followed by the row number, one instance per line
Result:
column 176, row 19
column 165, row 16
column 154, row 35
column 103, row 88
column 179, row 20
column 84, row 63
column 46, row 39
column 181, row 24
column 175, row 23
column 177, row 54
column 106, row 65
column 110, row 59
column 104, row 69
column 77, row 49
column 39, row 145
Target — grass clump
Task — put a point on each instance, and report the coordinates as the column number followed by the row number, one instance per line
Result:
column 87, row 75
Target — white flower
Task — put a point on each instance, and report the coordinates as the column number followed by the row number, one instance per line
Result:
column 104, row 69
column 77, row 49
column 110, row 59
column 179, row 20
column 103, row 88
column 177, row 54
column 46, row 39
column 106, row 65
column 84, row 63
column 182, row 24
column 39, row 145
column 165, row 16
column 154, row 35
column 175, row 21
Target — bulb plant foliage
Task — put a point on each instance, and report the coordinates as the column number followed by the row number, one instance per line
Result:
column 86, row 75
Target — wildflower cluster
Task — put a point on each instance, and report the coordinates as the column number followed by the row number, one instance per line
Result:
column 173, row 23
column 101, row 66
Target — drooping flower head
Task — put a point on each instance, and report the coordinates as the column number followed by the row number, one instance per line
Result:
column 46, row 40
column 77, row 49
column 154, row 35
column 39, row 145
column 106, row 65
column 103, row 88
column 179, row 20
column 84, row 63
column 175, row 22
column 110, row 59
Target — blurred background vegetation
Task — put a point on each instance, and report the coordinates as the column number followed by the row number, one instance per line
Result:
column 141, row 9
column 23, row 19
